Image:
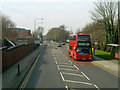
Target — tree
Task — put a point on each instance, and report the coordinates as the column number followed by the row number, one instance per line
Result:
column 7, row 27
column 58, row 33
column 106, row 13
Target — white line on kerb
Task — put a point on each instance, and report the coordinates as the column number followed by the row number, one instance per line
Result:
column 78, row 82
column 76, row 67
column 96, row 87
column 62, row 76
column 73, row 74
column 58, row 67
column 67, row 87
column 85, row 76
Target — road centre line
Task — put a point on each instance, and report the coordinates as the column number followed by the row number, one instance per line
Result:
column 62, row 76
column 85, row 76
column 78, row 82
column 56, row 62
column 58, row 67
column 66, row 66
column 96, row 86
column 73, row 74
column 76, row 67
column 54, row 58
column 67, row 87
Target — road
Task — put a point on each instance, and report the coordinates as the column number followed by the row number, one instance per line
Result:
column 55, row 69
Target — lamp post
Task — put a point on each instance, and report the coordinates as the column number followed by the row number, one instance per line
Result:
column 35, row 22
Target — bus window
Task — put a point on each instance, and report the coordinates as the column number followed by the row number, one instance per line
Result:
column 83, row 50
column 83, row 38
column 71, row 48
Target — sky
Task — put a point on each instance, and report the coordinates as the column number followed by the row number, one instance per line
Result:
column 73, row 14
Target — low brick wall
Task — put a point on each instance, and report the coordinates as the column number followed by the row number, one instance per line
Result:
column 12, row 55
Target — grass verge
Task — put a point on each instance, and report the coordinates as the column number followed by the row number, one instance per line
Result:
column 103, row 54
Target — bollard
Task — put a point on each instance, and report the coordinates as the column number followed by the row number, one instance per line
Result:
column 18, row 69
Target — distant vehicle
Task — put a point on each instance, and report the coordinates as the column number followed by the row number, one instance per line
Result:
column 62, row 43
column 80, row 46
column 59, row 45
column 45, row 44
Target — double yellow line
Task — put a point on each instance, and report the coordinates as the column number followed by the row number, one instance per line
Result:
column 22, row 86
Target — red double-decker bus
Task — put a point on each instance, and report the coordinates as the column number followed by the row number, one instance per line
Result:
column 80, row 46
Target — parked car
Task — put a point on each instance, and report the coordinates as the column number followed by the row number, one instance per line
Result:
column 62, row 43
column 59, row 45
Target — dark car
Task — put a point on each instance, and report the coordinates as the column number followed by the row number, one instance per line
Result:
column 59, row 45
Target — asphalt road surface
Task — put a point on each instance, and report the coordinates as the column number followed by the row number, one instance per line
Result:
column 55, row 69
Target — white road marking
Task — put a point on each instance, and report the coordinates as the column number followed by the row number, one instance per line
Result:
column 66, row 57
column 68, row 69
column 53, row 55
column 96, row 87
column 76, row 67
column 56, row 62
column 72, row 74
column 54, row 58
column 70, row 61
column 58, row 67
column 62, row 76
column 67, row 87
column 78, row 82
column 65, row 63
column 85, row 76
column 66, row 66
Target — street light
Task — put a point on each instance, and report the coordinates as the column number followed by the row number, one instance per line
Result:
column 35, row 21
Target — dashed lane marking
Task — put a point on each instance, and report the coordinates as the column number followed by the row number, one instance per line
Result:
column 62, row 76
column 66, row 87
column 76, row 67
column 96, row 86
column 70, row 61
column 73, row 74
column 85, row 76
column 56, row 62
column 54, row 58
column 58, row 67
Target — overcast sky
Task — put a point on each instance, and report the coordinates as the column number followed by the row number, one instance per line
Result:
column 72, row 13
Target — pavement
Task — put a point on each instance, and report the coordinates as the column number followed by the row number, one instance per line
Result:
column 12, row 73
column 111, row 66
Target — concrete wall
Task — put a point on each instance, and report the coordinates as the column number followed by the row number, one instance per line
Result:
column 12, row 55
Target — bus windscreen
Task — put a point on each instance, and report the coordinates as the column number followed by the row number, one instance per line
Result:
column 83, row 38
column 83, row 50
